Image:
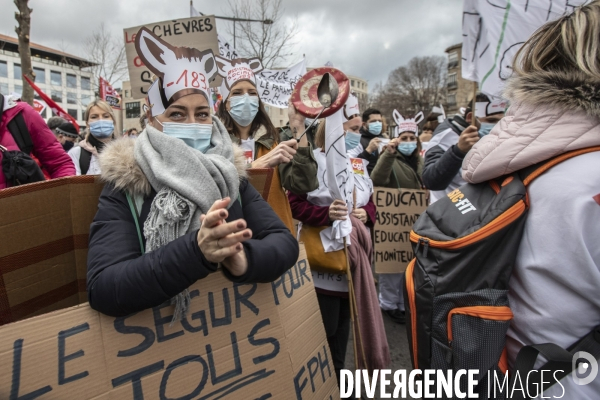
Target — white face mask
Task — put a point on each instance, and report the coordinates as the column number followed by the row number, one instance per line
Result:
column 195, row 135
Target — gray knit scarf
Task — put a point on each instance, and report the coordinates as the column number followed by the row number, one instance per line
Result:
column 187, row 183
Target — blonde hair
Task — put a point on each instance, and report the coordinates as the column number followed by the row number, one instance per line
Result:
column 101, row 104
column 320, row 135
column 570, row 43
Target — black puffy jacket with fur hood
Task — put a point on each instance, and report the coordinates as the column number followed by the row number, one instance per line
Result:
column 121, row 280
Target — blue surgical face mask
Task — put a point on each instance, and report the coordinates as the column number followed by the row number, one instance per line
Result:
column 195, row 135
column 407, row 148
column 375, row 128
column 486, row 128
column 102, row 128
column 243, row 109
column 352, row 140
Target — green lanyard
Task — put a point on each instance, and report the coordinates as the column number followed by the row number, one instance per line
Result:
column 135, row 214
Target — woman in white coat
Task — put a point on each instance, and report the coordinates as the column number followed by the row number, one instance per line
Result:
column 100, row 127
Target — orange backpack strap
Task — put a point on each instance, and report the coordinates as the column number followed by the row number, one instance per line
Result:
column 530, row 174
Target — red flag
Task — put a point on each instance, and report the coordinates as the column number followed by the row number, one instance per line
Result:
column 53, row 106
column 39, row 106
column 109, row 95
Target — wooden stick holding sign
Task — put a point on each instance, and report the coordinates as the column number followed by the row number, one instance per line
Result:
column 473, row 119
column 397, row 211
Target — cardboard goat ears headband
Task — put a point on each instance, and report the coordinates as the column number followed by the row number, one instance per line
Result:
column 238, row 69
column 407, row 125
column 235, row 70
column 181, row 70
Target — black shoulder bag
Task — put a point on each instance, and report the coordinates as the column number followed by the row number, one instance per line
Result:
column 17, row 165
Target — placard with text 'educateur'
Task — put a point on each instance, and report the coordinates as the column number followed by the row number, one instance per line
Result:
column 397, row 211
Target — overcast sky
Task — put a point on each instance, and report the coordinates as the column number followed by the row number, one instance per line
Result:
column 366, row 38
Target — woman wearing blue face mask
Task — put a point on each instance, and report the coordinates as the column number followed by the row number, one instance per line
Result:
column 399, row 166
column 247, row 122
column 186, row 182
column 100, row 127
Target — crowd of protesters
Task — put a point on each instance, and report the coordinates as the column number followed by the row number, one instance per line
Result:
column 194, row 165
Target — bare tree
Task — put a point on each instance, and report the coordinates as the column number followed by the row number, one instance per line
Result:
column 271, row 42
column 108, row 53
column 363, row 102
column 23, row 17
column 415, row 87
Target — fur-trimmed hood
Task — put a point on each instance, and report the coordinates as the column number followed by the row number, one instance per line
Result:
column 119, row 167
column 551, row 113
column 568, row 92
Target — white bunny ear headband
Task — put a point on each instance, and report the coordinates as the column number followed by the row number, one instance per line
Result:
column 485, row 109
column 407, row 125
column 181, row 70
column 351, row 107
column 236, row 70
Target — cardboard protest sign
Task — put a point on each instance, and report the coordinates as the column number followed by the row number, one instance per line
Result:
column 261, row 179
column 43, row 254
column 197, row 32
column 238, row 341
column 45, row 230
column 397, row 211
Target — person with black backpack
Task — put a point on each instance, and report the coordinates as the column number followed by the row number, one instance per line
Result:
column 100, row 122
column 506, row 272
column 25, row 138
column 553, row 290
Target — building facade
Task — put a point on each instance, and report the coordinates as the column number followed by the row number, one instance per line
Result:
column 58, row 74
column 460, row 91
column 360, row 87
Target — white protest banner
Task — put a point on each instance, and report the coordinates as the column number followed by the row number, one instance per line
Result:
column 198, row 32
column 275, row 86
column 494, row 31
column 340, row 179
column 397, row 211
column 226, row 50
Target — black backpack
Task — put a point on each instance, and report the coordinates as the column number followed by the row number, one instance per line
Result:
column 18, row 166
column 84, row 160
column 456, row 291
